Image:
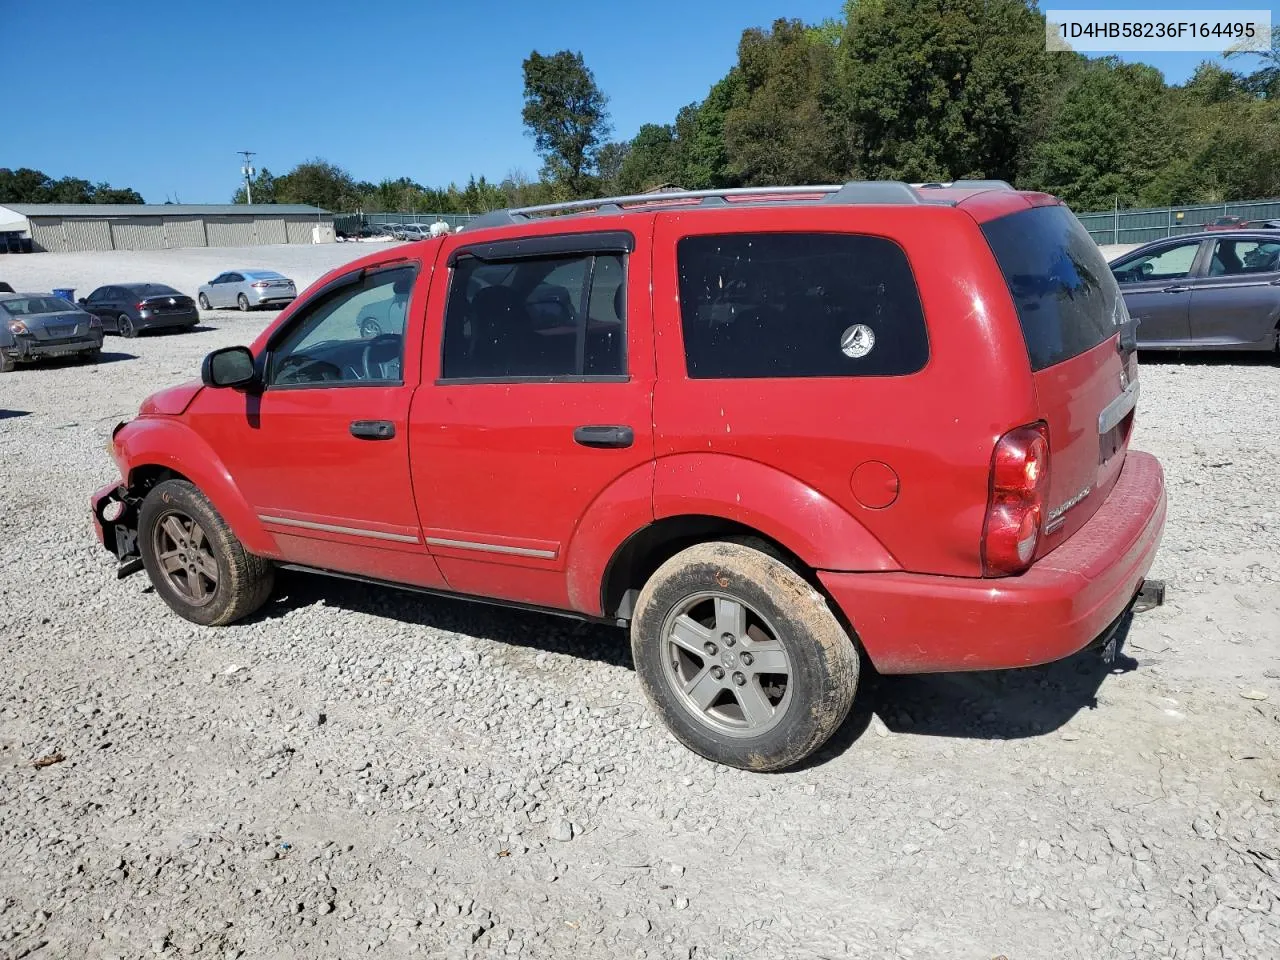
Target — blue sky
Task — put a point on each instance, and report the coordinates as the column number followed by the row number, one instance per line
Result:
column 159, row 95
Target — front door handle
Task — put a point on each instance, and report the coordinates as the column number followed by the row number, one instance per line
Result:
column 1175, row 289
column 373, row 429
column 604, row 436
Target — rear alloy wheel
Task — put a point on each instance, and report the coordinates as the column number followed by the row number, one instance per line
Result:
column 243, row 301
column 195, row 562
column 741, row 657
column 124, row 326
column 204, row 302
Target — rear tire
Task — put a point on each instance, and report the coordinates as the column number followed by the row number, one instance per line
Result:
column 741, row 658
column 243, row 302
column 197, row 565
column 125, row 327
column 203, row 301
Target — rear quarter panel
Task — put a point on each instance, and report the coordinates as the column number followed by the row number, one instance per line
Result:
column 935, row 429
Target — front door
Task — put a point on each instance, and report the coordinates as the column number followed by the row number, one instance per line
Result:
column 1239, row 300
column 322, row 452
column 1157, row 292
column 541, row 403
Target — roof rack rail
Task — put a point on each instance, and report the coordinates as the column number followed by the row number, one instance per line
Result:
column 971, row 184
column 857, row 191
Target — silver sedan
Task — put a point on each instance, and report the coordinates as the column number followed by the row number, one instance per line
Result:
column 247, row 289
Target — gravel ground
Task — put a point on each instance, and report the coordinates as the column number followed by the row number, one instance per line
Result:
column 362, row 770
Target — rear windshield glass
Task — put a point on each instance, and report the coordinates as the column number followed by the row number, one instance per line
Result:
column 31, row 306
column 799, row 305
column 160, row 289
column 1068, row 301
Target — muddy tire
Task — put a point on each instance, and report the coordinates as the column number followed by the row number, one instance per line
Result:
column 741, row 658
column 195, row 562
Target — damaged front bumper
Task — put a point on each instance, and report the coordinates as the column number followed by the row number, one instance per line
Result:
column 115, row 522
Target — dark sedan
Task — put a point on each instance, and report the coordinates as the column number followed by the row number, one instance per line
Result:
column 130, row 308
column 1205, row 291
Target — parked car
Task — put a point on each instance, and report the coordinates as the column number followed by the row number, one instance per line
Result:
column 1260, row 225
column 247, row 289
column 764, row 437
column 415, row 231
column 38, row 325
column 1225, row 223
column 130, row 308
column 1205, row 291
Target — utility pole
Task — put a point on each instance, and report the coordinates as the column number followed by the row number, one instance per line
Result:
column 248, row 171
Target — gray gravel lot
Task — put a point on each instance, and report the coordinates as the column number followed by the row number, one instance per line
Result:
column 363, row 770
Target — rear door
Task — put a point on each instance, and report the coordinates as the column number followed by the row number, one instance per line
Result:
column 538, row 401
column 1157, row 290
column 1238, row 301
column 1071, row 312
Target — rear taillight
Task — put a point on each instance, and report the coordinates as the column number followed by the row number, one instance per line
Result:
column 94, row 322
column 261, row 285
column 142, row 306
column 1015, row 504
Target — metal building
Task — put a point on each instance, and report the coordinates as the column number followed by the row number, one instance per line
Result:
column 153, row 226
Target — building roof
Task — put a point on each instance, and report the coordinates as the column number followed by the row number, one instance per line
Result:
column 161, row 209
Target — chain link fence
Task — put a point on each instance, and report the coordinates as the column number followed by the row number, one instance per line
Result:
column 351, row 223
column 1142, row 226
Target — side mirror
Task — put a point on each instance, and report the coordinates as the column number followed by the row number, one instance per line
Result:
column 228, row 367
column 82, row 301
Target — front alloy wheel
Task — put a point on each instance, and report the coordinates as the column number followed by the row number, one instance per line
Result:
column 185, row 557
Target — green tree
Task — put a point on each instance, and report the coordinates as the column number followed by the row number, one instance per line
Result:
column 25, row 185
column 652, row 159
column 566, row 114
column 264, row 188
column 941, row 89
column 781, row 126
column 320, row 183
column 609, row 164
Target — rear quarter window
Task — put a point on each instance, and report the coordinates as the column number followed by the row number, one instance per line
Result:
column 798, row 305
column 1067, row 300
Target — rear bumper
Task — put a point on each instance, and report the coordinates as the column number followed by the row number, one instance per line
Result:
column 27, row 349
column 916, row 623
column 159, row 321
column 270, row 298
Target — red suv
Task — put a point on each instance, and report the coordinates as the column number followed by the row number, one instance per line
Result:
column 766, row 430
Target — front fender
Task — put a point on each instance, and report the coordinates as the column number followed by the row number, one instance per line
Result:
column 813, row 527
column 170, row 443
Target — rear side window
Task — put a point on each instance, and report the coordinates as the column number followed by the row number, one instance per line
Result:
column 799, row 305
column 1067, row 299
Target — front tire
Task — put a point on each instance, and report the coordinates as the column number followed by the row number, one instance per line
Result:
column 243, row 302
column 741, row 658
column 125, row 327
column 197, row 565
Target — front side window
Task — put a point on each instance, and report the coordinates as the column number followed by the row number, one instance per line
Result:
column 799, row 305
column 1235, row 257
column 1172, row 263
column 552, row 317
column 330, row 341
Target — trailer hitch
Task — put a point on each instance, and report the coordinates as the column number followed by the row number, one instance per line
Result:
column 1150, row 595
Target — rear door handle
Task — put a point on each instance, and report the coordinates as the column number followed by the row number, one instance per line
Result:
column 1175, row 289
column 373, row 429
column 604, row 436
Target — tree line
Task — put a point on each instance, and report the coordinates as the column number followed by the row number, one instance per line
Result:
column 25, row 185
column 914, row 90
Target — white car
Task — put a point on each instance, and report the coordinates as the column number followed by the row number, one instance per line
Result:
column 247, row 289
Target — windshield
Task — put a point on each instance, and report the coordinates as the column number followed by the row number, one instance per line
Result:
column 31, row 306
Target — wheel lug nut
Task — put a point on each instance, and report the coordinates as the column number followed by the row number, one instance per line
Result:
column 718, row 672
column 739, row 679
column 728, row 639
column 711, row 648
column 747, row 659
